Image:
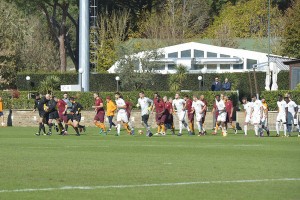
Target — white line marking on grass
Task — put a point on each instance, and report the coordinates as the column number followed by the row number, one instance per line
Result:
column 144, row 185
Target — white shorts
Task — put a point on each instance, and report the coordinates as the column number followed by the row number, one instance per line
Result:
column 199, row 117
column 256, row 119
column 247, row 119
column 181, row 115
column 281, row 118
column 222, row 117
column 122, row 116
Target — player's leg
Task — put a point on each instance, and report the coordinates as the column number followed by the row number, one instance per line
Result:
column 2, row 118
column 75, row 126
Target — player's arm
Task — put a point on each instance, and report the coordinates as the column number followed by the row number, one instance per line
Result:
column 35, row 105
column 113, row 107
column 296, row 110
column 203, row 108
column 231, row 111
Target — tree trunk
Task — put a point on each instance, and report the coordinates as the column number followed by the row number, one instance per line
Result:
column 62, row 53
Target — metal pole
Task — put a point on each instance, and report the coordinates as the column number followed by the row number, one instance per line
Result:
column 269, row 31
column 84, row 55
column 80, row 81
column 117, row 86
column 255, row 83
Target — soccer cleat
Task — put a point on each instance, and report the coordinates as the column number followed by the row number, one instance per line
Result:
column 117, row 134
column 100, row 131
column 49, row 133
column 235, row 131
column 77, row 134
column 37, row 134
column 261, row 134
column 191, row 133
column 150, row 134
column 179, row 134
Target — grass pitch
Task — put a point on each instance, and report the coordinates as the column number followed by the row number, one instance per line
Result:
column 136, row 167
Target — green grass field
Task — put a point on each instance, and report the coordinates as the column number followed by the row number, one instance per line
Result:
column 136, row 167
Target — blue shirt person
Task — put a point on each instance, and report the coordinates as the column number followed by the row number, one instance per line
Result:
column 216, row 85
column 226, row 85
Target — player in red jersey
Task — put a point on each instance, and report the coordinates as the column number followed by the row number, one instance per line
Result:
column 100, row 113
column 191, row 114
column 229, row 111
column 128, row 110
column 160, row 115
column 62, row 109
column 204, row 113
column 169, row 114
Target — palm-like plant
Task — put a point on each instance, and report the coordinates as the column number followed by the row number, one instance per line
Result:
column 176, row 80
column 50, row 84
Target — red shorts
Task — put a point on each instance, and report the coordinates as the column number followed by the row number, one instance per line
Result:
column 63, row 117
column 161, row 119
column 100, row 117
column 191, row 117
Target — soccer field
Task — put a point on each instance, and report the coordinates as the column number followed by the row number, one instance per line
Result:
column 136, row 167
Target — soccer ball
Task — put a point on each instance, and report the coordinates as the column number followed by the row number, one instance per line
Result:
column 224, row 133
column 141, row 132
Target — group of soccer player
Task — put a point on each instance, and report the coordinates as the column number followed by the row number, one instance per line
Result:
column 256, row 112
column 68, row 112
column 65, row 110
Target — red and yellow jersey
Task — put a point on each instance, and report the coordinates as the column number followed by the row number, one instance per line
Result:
column 98, row 102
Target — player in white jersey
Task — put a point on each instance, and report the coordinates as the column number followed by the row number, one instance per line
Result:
column 292, row 110
column 247, row 108
column 198, row 107
column 264, row 120
column 256, row 115
column 121, row 115
column 145, row 103
column 221, row 120
column 179, row 105
column 282, row 115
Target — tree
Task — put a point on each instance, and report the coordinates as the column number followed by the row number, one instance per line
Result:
column 291, row 36
column 60, row 16
column 136, row 71
column 176, row 80
column 179, row 20
column 246, row 20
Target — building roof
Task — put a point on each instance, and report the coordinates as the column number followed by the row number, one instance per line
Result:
column 292, row 62
column 281, row 62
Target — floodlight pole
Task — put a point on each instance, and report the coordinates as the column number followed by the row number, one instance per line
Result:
column 84, row 54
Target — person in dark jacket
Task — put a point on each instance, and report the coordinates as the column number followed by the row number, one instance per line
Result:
column 226, row 85
column 216, row 85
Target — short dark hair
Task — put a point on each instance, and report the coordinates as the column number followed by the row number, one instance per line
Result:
column 244, row 98
column 142, row 92
column 72, row 98
column 187, row 96
column 253, row 96
column 118, row 93
column 217, row 95
column 280, row 95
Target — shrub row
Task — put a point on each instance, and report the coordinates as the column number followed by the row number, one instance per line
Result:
column 107, row 82
column 87, row 101
column 86, row 98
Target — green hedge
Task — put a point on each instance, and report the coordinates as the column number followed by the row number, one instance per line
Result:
column 272, row 96
column 86, row 98
column 107, row 83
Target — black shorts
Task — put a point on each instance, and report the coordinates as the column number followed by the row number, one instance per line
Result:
column 1, row 113
column 42, row 113
column 145, row 118
column 69, row 117
column 53, row 115
column 77, row 117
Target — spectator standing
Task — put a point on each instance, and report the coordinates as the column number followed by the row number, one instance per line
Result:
column 216, row 85
column 226, row 85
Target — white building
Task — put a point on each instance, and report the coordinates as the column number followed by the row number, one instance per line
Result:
column 204, row 58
